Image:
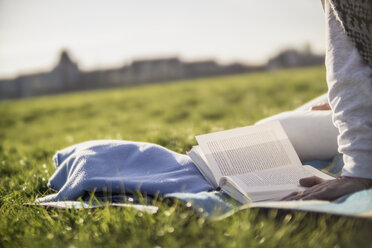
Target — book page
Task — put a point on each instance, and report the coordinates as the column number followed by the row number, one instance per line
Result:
column 272, row 177
column 248, row 149
column 274, row 183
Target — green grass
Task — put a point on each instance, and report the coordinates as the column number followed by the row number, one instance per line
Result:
column 170, row 115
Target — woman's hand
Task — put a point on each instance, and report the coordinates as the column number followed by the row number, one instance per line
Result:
column 330, row 190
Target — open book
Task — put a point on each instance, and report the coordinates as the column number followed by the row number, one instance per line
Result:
column 254, row 163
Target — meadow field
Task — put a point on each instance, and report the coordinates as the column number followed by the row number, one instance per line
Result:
column 171, row 114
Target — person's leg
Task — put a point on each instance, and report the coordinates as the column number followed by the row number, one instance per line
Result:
column 312, row 133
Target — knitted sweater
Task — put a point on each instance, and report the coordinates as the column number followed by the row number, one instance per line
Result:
column 355, row 17
column 350, row 83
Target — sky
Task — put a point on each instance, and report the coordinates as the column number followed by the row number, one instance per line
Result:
column 111, row 33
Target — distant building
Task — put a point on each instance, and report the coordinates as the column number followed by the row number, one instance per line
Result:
column 66, row 76
column 294, row 58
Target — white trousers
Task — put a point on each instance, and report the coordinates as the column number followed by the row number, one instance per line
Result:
column 312, row 133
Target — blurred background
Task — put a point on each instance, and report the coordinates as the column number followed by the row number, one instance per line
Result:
column 54, row 46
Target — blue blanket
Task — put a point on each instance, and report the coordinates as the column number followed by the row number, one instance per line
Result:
column 216, row 205
column 119, row 168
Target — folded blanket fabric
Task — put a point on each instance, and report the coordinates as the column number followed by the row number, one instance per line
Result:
column 216, row 205
column 116, row 167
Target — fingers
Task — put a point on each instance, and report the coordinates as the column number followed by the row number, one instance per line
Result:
column 305, row 182
column 291, row 195
column 302, row 195
column 321, row 195
column 310, row 181
column 328, row 189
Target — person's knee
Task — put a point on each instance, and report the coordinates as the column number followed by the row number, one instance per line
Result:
column 312, row 133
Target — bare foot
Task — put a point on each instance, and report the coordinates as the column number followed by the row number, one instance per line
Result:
column 321, row 106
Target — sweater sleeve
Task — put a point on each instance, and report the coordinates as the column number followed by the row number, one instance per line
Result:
column 350, row 95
